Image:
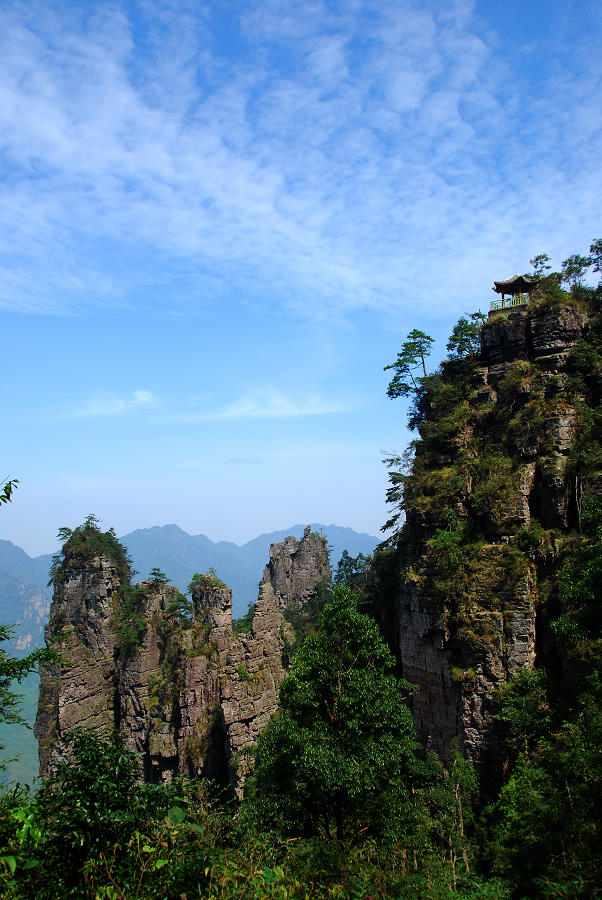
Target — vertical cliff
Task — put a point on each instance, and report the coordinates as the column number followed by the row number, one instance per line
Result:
column 81, row 692
column 186, row 693
column 494, row 487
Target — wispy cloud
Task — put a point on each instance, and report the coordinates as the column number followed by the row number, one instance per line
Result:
column 255, row 403
column 273, row 404
column 108, row 404
column 336, row 159
column 258, row 403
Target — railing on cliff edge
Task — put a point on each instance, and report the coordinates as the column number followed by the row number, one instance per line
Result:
column 516, row 300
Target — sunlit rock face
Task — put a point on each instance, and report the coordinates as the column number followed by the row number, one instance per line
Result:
column 460, row 639
column 186, row 693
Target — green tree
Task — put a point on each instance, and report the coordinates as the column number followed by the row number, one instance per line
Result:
column 595, row 250
column 574, row 268
column 465, row 339
column 91, row 808
column 15, row 670
column 525, row 709
column 541, row 265
column 410, row 359
column 158, row 577
column 82, row 544
column 7, row 489
column 339, row 758
column 352, row 571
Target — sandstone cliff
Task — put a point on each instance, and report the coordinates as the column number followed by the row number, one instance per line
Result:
column 493, row 489
column 187, row 693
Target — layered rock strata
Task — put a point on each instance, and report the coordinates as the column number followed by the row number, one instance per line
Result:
column 187, row 694
column 491, row 489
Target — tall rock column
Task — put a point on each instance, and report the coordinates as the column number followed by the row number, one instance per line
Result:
column 80, row 692
column 253, row 667
column 490, row 491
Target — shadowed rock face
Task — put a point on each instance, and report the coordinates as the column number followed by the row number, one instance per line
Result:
column 190, row 697
column 461, row 653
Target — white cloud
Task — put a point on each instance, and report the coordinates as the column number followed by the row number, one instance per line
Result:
column 343, row 159
column 258, row 403
column 109, row 404
column 273, row 404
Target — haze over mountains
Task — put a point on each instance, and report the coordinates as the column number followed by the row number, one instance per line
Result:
column 25, row 596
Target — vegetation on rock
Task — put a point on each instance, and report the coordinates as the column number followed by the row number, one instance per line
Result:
column 83, row 544
column 343, row 743
column 496, row 526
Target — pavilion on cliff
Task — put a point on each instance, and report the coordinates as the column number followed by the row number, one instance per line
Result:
column 517, row 286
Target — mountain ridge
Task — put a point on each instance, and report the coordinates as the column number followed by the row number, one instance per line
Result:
column 180, row 554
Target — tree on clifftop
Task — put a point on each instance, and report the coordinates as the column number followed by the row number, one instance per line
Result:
column 410, row 359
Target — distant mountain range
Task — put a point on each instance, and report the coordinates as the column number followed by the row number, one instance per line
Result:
column 180, row 555
column 25, row 596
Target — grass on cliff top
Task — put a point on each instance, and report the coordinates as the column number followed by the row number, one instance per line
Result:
column 208, row 581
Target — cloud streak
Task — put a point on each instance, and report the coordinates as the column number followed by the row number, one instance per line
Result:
column 255, row 403
column 316, row 164
column 107, row 404
column 274, row 404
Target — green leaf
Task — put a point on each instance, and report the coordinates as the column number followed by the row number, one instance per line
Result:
column 159, row 863
column 11, row 862
column 176, row 815
column 31, row 863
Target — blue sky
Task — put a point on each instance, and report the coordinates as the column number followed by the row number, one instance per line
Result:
column 219, row 221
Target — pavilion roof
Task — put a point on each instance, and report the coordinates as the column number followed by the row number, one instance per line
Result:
column 516, row 284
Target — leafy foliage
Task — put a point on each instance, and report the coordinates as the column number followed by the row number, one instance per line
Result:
column 83, row 544
column 352, row 571
column 410, row 359
column 158, row 577
column 304, row 617
column 465, row 339
column 15, row 670
column 179, row 607
column 205, row 582
column 6, row 491
column 574, row 268
column 245, row 623
column 343, row 744
column 541, row 264
column 131, row 624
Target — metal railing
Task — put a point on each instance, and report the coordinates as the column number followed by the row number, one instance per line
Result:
column 516, row 300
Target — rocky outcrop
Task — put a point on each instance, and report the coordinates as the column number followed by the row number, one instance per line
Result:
column 252, row 667
column 186, row 693
column 80, row 693
column 491, row 489
column 296, row 567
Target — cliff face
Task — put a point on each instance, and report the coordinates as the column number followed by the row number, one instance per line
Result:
column 184, row 691
column 494, row 486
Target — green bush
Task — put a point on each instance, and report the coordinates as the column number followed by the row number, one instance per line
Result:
column 83, row 544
